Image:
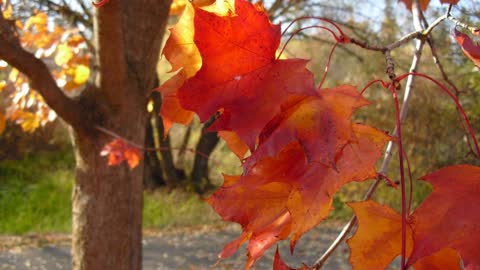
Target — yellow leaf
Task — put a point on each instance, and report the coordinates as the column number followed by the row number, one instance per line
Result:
column 3, row 84
column 3, row 123
column 64, row 54
column 30, row 122
column 39, row 21
column 7, row 12
column 82, row 73
column 13, row 75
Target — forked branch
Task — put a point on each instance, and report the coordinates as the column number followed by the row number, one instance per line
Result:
column 37, row 71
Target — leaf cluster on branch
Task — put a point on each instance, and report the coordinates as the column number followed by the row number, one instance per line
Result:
column 303, row 144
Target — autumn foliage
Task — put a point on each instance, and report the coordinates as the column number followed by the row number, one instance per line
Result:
column 303, row 143
column 304, row 146
column 67, row 55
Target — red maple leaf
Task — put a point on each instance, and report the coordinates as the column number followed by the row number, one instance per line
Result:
column 469, row 48
column 288, row 195
column 449, row 217
column 321, row 124
column 118, row 151
column 240, row 75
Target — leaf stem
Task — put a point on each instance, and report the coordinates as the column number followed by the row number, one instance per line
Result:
column 338, row 39
column 387, row 156
column 327, row 66
column 402, row 178
column 150, row 149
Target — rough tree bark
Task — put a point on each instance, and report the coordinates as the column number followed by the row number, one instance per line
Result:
column 107, row 201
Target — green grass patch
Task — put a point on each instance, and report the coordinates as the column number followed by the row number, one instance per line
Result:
column 35, row 197
column 165, row 209
column 35, row 194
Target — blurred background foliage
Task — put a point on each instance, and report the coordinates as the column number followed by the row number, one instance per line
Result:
column 36, row 169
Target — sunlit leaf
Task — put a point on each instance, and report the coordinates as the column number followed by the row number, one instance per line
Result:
column 118, row 151
column 82, row 73
column 64, row 54
column 378, row 239
column 3, row 123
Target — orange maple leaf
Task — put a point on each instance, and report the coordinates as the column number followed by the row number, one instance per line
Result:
column 118, row 151
column 236, row 145
column 377, row 241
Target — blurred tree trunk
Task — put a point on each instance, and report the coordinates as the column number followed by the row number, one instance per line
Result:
column 199, row 176
column 171, row 174
column 153, row 171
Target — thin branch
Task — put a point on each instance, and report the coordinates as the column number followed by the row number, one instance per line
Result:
column 85, row 10
column 387, row 156
column 40, row 77
column 144, row 148
column 67, row 12
column 473, row 29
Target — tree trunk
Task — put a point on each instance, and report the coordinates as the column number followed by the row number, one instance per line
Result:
column 107, row 201
column 199, row 176
column 107, row 204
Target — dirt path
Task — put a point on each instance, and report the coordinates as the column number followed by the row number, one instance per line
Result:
column 187, row 249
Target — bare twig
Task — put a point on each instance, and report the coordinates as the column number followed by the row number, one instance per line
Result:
column 389, row 150
column 473, row 29
column 143, row 148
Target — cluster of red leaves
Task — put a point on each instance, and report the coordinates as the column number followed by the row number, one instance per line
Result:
column 304, row 146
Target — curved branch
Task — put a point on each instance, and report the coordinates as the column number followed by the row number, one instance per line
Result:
column 390, row 147
column 37, row 71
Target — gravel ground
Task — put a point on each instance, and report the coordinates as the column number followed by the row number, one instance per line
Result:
column 177, row 249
